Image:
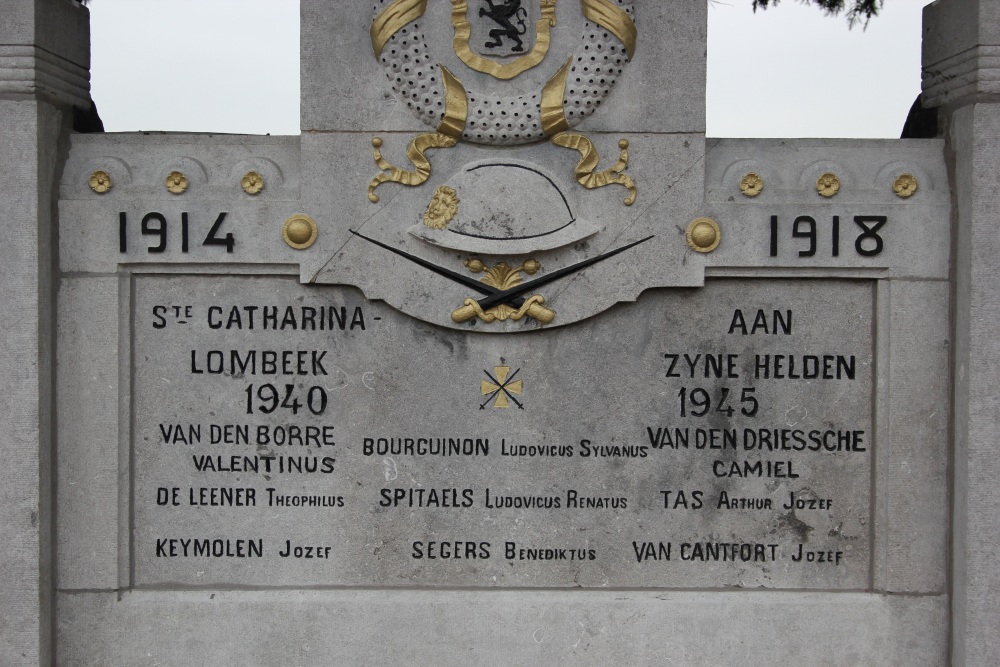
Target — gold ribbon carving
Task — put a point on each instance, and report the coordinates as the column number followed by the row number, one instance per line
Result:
column 449, row 132
column 415, row 153
column 614, row 19
column 392, row 19
column 456, row 105
column 589, row 159
column 553, row 116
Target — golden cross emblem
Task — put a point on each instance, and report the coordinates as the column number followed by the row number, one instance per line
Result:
column 501, row 386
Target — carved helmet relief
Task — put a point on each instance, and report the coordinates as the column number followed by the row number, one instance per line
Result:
column 502, row 83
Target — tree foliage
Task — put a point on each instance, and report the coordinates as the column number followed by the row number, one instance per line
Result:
column 858, row 11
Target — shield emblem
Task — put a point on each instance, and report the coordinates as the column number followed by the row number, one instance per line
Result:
column 502, row 38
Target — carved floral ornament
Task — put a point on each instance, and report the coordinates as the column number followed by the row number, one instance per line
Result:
column 252, row 182
column 177, row 182
column 905, row 186
column 828, row 185
column 100, row 182
column 751, row 184
column 458, row 113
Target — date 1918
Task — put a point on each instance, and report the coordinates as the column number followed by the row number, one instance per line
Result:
column 806, row 235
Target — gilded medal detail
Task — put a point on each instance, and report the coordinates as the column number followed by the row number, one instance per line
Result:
column 500, row 388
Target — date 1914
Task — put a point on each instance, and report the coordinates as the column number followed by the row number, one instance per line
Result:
column 155, row 225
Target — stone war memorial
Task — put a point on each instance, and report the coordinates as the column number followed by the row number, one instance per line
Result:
column 501, row 361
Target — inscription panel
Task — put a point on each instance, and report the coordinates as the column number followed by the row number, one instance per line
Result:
column 301, row 435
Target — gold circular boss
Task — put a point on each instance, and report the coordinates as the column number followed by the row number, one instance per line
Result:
column 299, row 231
column 704, row 235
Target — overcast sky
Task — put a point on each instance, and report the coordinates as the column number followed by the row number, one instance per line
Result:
column 233, row 66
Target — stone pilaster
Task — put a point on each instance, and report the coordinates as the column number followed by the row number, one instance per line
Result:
column 44, row 71
column 962, row 77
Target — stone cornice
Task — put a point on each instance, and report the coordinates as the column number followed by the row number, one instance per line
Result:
column 32, row 72
column 967, row 75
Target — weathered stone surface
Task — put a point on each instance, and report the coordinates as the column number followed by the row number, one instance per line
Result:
column 961, row 52
column 976, row 133
column 912, row 479
column 26, row 429
column 509, row 208
column 89, row 444
column 45, row 51
column 510, row 627
column 33, row 67
column 866, row 170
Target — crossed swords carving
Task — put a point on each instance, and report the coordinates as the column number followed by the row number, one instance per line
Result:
column 513, row 296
